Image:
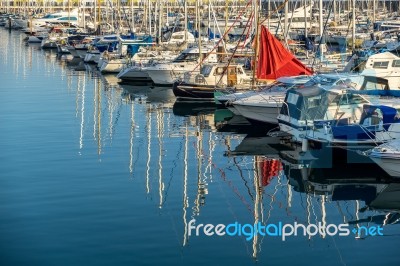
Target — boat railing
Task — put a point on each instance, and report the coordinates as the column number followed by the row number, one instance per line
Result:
column 386, row 133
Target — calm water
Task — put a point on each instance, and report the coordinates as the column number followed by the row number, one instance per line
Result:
column 93, row 173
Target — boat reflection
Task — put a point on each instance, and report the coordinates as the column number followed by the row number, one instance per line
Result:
column 371, row 193
column 149, row 94
column 263, row 174
column 186, row 108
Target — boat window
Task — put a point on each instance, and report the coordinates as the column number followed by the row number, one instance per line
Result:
column 185, row 57
column 352, row 99
column 206, row 70
column 370, row 85
column 219, row 71
column 68, row 18
column 177, row 37
column 320, row 80
column 292, row 98
column 396, row 63
column 381, row 64
column 52, row 16
column 314, row 101
column 232, row 70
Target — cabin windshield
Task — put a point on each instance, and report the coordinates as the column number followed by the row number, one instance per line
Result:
column 68, row 18
column 52, row 16
column 348, row 99
column 311, row 105
column 321, row 80
column 187, row 57
column 282, row 87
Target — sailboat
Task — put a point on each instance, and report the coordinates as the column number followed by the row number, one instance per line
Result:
column 201, row 85
column 274, row 62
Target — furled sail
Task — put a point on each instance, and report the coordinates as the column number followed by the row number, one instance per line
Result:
column 275, row 61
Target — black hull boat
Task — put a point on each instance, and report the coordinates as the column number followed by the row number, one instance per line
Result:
column 183, row 90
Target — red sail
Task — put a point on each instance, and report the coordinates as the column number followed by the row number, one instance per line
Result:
column 269, row 168
column 275, row 60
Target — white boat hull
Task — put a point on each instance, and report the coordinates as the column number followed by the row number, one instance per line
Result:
column 35, row 39
column 112, row 66
column 92, row 57
column 265, row 114
column 390, row 165
column 165, row 77
column 134, row 74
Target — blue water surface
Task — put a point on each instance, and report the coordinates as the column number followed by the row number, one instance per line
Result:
column 94, row 173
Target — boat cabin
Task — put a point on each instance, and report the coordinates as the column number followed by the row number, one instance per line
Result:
column 219, row 75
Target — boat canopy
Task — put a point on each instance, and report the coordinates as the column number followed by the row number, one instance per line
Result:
column 381, row 117
column 307, row 103
column 388, row 113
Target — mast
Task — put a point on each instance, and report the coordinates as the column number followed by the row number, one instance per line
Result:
column 374, row 11
column 321, row 30
column 209, row 18
column 149, row 16
column 226, row 17
column 269, row 14
column 107, row 6
column 186, row 21
column 334, row 11
column 305, row 23
column 286, row 22
column 95, row 15
column 159, row 20
column 133, row 18
column 99, row 13
column 198, row 30
column 69, row 11
column 256, row 42
column 353, row 44
column 83, row 10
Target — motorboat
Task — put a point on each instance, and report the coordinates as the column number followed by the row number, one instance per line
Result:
column 387, row 156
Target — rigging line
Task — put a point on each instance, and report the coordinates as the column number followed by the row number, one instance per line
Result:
column 244, row 180
column 234, row 189
column 338, row 251
column 231, row 57
column 248, row 30
column 274, row 11
column 223, row 36
column 323, row 32
column 288, row 26
column 172, row 170
column 223, row 176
